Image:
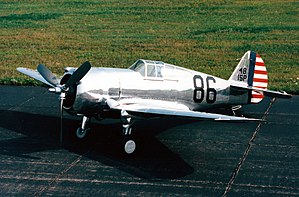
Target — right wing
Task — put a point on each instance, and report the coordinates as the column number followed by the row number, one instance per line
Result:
column 34, row 74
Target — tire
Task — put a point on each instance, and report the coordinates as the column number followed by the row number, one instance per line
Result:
column 129, row 146
column 80, row 133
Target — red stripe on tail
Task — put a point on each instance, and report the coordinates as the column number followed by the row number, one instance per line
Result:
column 260, row 96
column 261, row 72
column 259, row 63
column 262, row 87
column 260, row 80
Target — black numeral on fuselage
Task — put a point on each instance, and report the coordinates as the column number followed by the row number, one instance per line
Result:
column 199, row 93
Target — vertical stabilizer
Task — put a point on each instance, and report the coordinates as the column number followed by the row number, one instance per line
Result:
column 251, row 72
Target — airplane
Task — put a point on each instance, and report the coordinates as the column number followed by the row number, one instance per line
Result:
column 154, row 88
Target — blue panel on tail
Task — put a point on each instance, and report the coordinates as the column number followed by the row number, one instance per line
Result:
column 251, row 68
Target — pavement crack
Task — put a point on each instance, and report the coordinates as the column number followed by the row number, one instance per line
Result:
column 21, row 104
column 60, row 175
column 24, row 102
column 247, row 150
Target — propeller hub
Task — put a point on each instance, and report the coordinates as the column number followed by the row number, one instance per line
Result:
column 56, row 89
column 64, row 88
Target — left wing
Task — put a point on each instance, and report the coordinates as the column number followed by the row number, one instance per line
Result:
column 134, row 108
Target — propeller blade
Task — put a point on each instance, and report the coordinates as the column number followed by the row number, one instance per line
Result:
column 47, row 75
column 61, row 119
column 78, row 74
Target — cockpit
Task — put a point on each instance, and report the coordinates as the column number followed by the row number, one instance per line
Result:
column 159, row 70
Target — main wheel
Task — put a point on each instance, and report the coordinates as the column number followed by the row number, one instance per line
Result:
column 129, row 146
column 81, row 133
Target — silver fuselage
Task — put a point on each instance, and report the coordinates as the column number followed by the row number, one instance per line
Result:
column 193, row 90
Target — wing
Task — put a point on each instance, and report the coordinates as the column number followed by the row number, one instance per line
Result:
column 139, row 109
column 34, row 74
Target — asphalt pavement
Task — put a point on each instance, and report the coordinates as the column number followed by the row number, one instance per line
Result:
column 174, row 157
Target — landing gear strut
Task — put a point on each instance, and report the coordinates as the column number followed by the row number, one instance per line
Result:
column 81, row 132
column 128, row 143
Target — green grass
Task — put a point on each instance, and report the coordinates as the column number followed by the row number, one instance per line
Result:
column 206, row 35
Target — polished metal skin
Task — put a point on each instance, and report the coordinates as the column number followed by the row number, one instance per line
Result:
column 155, row 88
column 177, row 90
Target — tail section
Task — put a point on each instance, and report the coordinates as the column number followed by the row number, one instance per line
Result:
column 251, row 72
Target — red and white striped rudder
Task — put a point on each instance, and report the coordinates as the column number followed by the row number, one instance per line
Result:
column 260, row 79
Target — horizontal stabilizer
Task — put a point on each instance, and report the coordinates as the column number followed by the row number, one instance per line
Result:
column 266, row 92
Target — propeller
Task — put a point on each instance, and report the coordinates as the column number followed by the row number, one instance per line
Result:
column 62, row 97
column 47, row 75
column 63, row 89
column 78, row 74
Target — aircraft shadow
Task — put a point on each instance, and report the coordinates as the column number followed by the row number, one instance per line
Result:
column 152, row 160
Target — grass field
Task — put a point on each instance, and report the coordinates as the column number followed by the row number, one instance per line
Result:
column 204, row 35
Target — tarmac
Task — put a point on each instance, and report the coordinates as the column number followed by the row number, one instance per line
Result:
column 174, row 157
